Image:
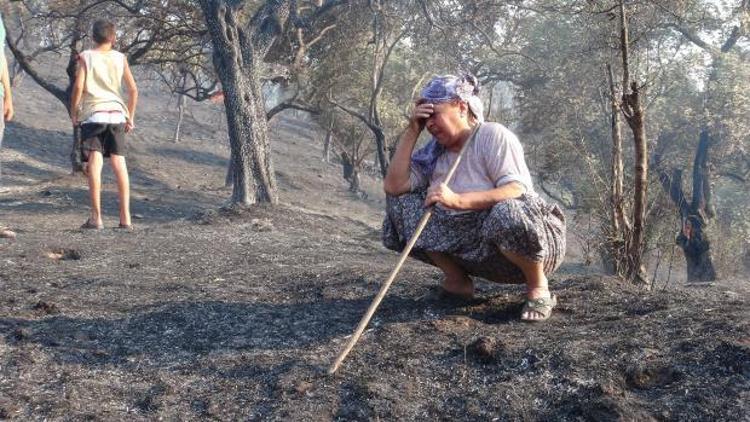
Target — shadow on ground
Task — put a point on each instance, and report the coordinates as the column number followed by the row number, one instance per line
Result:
column 180, row 332
column 192, row 157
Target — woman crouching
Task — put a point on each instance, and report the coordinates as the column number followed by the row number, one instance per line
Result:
column 488, row 221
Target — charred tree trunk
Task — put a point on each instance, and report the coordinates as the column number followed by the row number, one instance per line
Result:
column 350, row 167
column 76, row 161
column 237, row 58
column 697, row 250
column 692, row 237
column 347, row 166
column 229, row 178
column 382, row 154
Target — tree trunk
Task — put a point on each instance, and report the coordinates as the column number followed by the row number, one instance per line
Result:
column 229, row 178
column 382, row 155
column 75, row 46
column 634, row 115
column 619, row 226
column 693, row 240
column 350, row 168
column 697, row 250
column 76, row 161
column 692, row 237
column 640, row 194
column 619, row 221
column 347, row 166
column 354, row 181
column 237, row 63
column 252, row 173
column 488, row 113
column 327, row 142
column 180, row 116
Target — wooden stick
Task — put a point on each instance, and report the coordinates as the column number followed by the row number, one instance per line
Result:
column 405, row 254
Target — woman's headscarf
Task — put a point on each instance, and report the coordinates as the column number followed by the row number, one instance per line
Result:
column 441, row 89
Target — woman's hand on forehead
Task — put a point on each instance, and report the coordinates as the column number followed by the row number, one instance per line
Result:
column 424, row 110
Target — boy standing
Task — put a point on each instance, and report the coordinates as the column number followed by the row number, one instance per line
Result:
column 98, row 106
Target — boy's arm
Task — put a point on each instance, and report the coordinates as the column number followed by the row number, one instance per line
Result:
column 132, row 96
column 8, row 96
column 75, row 99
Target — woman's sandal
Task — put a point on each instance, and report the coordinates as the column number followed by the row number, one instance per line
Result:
column 542, row 306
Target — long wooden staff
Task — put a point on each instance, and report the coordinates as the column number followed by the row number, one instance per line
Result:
column 405, row 254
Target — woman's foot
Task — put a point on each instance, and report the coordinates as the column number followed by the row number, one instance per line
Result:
column 456, row 282
column 538, row 305
column 460, row 286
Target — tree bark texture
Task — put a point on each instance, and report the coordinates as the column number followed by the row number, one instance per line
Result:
column 640, row 180
column 180, row 117
column 238, row 54
column 692, row 237
column 619, row 225
column 632, row 109
column 327, row 141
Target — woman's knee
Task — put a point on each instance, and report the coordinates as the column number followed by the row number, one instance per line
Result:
column 404, row 207
column 505, row 216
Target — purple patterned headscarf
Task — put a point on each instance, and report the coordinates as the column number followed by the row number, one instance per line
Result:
column 442, row 89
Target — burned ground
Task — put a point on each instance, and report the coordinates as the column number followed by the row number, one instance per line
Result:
column 208, row 314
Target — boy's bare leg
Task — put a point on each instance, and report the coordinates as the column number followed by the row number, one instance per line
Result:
column 456, row 281
column 536, row 282
column 95, row 186
column 123, row 187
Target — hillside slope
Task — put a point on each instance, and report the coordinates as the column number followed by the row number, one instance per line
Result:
column 206, row 314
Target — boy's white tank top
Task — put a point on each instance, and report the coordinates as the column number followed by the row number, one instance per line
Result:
column 103, row 85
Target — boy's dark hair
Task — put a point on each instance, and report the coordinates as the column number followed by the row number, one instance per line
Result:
column 103, row 31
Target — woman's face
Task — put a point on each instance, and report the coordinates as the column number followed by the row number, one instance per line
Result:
column 447, row 122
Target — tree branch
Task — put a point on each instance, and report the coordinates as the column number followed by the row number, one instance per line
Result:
column 278, row 108
column 694, row 38
column 354, row 113
column 25, row 64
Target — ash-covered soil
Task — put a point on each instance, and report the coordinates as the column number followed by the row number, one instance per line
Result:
column 226, row 315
